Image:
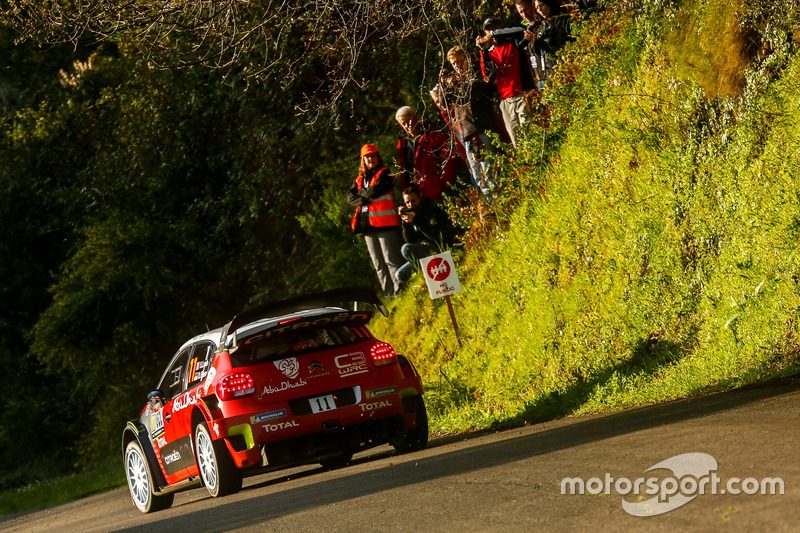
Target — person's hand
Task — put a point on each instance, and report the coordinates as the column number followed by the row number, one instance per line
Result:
column 447, row 77
column 405, row 215
column 484, row 41
column 529, row 36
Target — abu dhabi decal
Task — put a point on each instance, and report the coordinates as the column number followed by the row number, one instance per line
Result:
column 381, row 392
column 289, row 366
column 267, row 416
column 351, row 364
column 280, row 425
column 286, row 385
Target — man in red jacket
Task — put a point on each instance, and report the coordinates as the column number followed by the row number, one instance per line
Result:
column 505, row 51
column 426, row 156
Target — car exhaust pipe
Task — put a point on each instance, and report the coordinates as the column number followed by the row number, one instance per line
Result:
column 331, row 426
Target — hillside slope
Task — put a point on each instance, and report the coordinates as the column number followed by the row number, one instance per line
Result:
column 647, row 243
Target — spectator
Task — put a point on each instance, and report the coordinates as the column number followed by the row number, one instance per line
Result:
column 425, row 155
column 473, row 117
column 541, row 62
column 505, row 50
column 557, row 27
column 447, row 113
column 427, row 230
column 376, row 218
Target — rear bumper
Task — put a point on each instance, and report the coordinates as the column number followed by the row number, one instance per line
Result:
column 283, row 438
column 344, row 439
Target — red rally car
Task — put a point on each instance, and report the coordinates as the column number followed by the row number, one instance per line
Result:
column 284, row 384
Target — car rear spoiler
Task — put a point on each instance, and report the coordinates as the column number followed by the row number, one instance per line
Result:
column 329, row 298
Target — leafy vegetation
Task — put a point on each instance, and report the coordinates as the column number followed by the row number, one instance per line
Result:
column 643, row 247
column 652, row 254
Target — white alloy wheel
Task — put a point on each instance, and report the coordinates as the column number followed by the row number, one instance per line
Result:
column 140, row 481
column 206, row 462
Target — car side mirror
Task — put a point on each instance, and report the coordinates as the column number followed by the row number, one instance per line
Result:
column 156, row 400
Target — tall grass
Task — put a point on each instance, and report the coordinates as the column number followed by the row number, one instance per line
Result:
column 651, row 246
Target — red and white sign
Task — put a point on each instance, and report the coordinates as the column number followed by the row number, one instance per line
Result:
column 440, row 275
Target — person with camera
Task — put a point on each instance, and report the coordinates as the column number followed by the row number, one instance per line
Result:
column 372, row 194
column 427, row 230
column 505, row 51
column 541, row 60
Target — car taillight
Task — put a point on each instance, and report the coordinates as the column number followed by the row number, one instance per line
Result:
column 382, row 354
column 235, row 386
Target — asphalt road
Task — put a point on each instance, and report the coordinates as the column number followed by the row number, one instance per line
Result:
column 512, row 480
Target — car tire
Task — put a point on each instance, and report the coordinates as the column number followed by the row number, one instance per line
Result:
column 417, row 437
column 336, row 461
column 140, row 481
column 217, row 470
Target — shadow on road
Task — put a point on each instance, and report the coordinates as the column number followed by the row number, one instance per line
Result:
column 254, row 511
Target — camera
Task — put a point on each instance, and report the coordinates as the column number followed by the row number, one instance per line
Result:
column 508, row 34
column 406, row 211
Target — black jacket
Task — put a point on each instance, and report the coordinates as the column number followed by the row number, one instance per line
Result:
column 473, row 104
column 430, row 225
column 555, row 34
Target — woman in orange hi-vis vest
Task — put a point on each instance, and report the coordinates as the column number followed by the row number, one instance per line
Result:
column 376, row 217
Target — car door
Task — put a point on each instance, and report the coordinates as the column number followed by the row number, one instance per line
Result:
column 171, row 441
column 200, row 360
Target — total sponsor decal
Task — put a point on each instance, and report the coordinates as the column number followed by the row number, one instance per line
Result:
column 286, row 385
column 161, row 442
column 171, row 458
column 257, row 419
column 351, row 364
column 381, row 392
column 375, row 405
column 281, row 425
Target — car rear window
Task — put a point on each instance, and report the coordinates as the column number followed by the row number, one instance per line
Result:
column 264, row 346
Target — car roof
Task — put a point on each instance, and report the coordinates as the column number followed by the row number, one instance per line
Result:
column 264, row 316
column 266, row 323
column 212, row 335
column 215, row 335
column 300, row 306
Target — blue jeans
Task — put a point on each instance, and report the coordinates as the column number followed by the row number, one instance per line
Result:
column 412, row 252
column 482, row 172
column 383, row 247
